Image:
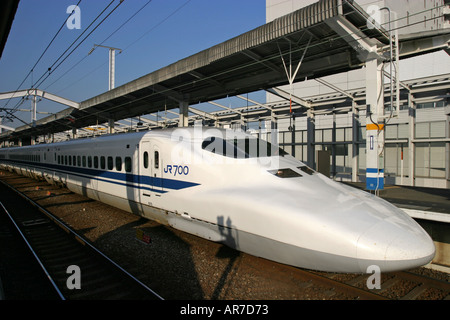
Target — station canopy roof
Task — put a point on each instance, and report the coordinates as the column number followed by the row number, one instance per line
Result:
column 330, row 36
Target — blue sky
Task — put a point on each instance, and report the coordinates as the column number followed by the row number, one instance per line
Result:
column 164, row 32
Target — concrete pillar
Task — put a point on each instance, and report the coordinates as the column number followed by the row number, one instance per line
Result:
column 273, row 129
column 411, row 145
column 311, row 139
column 333, row 147
column 243, row 123
column 374, row 125
column 447, row 144
column 111, row 126
column 112, row 71
column 355, row 145
column 33, row 110
column 184, row 114
column 74, row 133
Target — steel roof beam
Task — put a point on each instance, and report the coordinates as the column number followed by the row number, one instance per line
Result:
column 285, row 95
column 39, row 93
column 332, row 86
column 202, row 113
column 224, row 107
column 362, row 44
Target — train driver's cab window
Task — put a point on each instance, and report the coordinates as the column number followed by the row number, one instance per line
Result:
column 156, row 159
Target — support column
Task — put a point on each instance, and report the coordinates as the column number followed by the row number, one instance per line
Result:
column 311, row 139
column 355, row 145
column 74, row 133
column 242, row 123
column 111, row 126
column 374, row 125
column 411, row 145
column 112, row 71
column 273, row 130
column 333, row 146
column 447, row 144
column 33, row 110
column 184, row 114
column 293, row 141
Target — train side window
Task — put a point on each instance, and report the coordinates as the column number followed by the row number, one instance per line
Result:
column 102, row 162
column 128, row 164
column 89, row 162
column 74, row 161
column 79, row 161
column 84, row 161
column 118, row 163
column 156, row 159
column 145, row 159
column 95, row 162
column 110, row 163
column 70, row 160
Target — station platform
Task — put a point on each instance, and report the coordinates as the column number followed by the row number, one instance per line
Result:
column 428, row 200
column 429, row 207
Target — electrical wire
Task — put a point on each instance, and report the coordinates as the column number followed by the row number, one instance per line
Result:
column 84, row 57
column 131, row 44
column 42, row 54
column 52, row 68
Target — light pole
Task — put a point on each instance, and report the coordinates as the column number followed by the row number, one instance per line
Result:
column 112, row 63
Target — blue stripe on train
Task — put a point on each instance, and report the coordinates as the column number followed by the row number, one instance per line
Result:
column 124, row 179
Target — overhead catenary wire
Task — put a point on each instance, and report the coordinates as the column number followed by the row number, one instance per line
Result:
column 52, row 68
column 127, row 47
column 43, row 53
column 84, row 57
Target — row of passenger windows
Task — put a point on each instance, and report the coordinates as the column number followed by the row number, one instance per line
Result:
column 25, row 157
column 96, row 162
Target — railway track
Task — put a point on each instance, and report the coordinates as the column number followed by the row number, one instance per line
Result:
column 274, row 281
column 404, row 285
column 74, row 268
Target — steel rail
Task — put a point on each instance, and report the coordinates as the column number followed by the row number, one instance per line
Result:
column 64, row 226
column 34, row 254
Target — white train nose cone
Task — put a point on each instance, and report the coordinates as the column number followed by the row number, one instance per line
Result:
column 394, row 244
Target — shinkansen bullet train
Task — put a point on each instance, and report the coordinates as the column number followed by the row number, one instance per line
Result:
column 233, row 188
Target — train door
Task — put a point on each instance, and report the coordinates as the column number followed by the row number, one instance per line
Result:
column 150, row 171
column 157, row 165
column 145, row 174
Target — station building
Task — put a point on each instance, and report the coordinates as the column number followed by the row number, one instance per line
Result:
column 417, row 124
